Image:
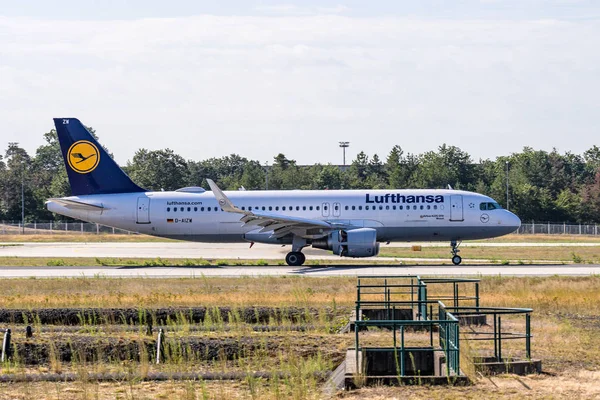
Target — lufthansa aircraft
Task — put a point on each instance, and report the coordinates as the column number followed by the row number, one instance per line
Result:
column 350, row 223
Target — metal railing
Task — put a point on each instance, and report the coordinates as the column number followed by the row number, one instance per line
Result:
column 58, row 227
column 548, row 228
column 497, row 335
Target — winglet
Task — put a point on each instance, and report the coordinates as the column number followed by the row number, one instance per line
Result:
column 223, row 201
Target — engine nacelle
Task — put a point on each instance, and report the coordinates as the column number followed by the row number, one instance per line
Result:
column 360, row 242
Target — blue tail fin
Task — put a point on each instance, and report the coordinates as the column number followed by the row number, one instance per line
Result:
column 90, row 169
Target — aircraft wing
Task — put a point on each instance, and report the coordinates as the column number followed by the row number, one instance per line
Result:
column 77, row 205
column 281, row 225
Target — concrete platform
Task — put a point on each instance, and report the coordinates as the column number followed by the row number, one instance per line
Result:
column 490, row 366
column 378, row 367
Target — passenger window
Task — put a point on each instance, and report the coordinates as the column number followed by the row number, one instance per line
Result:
column 435, row 207
column 189, row 209
column 277, row 208
column 283, row 208
column 174, row 209
column 201, row 208
column 216, row 209
column 250, row 208
column 303, row 208
column 421, row 207
column 243, row 208
column 168, row 209
column 263, row 208
column 346, row 208
column 310, row 208
column 393, row 207
column 381, row 207
column 353, row 208
column 208, row 209
column 297, row 208
column 195, row 208
column 401, row 207
column 428, row 207
column 366, row 207
column 318, row 208
column 414, row 207
column 270, row 208
column 360, row 207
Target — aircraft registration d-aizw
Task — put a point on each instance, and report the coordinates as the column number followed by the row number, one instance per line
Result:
column 350, row 223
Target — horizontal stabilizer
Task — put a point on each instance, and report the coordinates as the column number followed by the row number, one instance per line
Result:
column 77, row 205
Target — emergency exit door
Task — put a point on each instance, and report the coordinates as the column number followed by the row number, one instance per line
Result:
column 456, row 208
column 143, row 210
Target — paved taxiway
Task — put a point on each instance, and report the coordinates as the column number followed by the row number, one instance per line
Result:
column 314, row 271
column 189, row 250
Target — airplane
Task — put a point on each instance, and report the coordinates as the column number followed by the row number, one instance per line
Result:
column 350, row 223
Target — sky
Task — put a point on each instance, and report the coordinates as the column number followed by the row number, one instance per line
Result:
column 258, row 78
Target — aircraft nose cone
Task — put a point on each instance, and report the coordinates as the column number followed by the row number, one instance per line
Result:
column 514, row 221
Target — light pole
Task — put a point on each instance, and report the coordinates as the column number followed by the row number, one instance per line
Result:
column 344, row 145
column 507, row 200
column 266, row 175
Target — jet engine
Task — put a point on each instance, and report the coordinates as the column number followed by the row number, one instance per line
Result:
column 360, row 242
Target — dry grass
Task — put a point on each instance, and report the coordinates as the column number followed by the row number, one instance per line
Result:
column 565, row 325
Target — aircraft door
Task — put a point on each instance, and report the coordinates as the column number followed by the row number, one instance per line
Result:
column 143, row 210
column 456, row 208
column 337, row 209
column 325, row 209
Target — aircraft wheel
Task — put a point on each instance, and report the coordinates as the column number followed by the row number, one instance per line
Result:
column 456, row 260
column 295, row 258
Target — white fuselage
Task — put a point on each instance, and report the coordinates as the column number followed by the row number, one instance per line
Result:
column 397, row 215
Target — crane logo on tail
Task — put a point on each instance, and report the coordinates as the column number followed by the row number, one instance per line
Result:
column 83, row 157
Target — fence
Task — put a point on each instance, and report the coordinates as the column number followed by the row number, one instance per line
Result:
column 57, row 227
column 12, row 227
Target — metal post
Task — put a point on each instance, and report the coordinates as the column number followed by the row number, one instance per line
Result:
column 499, row 339
column 507, row 200
column 28, row 332
column 402, row 371
column 533, row 227
column 495, row 336
column 82, row 227
column 455, row 294
column 267, row 175
column 477, row 295
column 564, row 228
column 528, row 336
column 22, row 202
column 159, row 341
column 580, row 228
column 548, row 228
column 6, row 346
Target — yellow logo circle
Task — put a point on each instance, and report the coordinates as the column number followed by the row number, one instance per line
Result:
column 83, row 157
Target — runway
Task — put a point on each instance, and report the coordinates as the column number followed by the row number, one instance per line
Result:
column 309, row 271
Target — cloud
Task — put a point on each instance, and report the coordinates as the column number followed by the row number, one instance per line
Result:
column 212, row 85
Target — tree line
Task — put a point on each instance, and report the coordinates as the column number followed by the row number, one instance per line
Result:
column 543, row 186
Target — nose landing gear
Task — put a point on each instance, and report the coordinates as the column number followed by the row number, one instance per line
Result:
column 456, row 259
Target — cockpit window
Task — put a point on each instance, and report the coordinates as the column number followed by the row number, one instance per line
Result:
column 489, row 206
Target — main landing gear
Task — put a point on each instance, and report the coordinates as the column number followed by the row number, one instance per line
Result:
column 456, row 259
column 295, row 258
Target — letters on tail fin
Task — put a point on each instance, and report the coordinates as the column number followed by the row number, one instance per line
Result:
column 89, row 168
